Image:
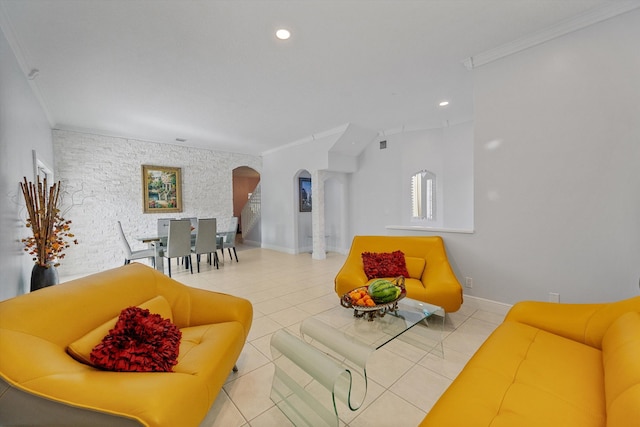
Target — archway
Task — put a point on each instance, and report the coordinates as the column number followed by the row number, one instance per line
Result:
column 335, row 213
column 245, row 183
column 303, row 207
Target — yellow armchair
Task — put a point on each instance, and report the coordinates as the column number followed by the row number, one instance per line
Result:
column 41, row 383
column 431, row 278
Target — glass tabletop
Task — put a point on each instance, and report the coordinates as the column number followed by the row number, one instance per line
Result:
column 418, row 323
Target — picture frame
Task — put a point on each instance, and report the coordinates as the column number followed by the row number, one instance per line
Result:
column 304, row 194
column 161, row 189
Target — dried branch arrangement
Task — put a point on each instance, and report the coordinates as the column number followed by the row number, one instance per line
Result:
column 50, row 231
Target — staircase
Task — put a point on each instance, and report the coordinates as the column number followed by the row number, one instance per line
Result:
column 251, row 212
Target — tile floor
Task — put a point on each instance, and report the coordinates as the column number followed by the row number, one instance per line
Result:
column 404, row 381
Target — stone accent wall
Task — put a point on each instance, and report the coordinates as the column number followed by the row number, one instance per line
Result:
column 102, row 180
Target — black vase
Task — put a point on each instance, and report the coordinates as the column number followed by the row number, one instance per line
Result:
column 41, row 277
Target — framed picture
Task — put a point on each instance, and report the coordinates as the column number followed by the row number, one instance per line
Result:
column 304, row 185
column 162, row 189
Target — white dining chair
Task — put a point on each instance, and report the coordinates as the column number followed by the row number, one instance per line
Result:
column 206, row 241
column 130, row 255
column 229, row 239
column 179, row 242
column 163, row 227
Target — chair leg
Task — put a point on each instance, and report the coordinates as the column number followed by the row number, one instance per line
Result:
column 169, row 262
column 235, row 253
column 216, row 261
column 188, row 259
column 235, row 368
column 198, row 262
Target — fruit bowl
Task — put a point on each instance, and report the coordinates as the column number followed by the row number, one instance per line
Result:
column 377, row 310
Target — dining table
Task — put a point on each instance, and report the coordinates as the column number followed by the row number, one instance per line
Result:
column 158, row 243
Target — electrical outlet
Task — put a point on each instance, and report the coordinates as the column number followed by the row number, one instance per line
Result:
column 554, row 297
column 468, row 282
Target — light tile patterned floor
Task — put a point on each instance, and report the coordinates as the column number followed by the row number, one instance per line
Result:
column 286, row 289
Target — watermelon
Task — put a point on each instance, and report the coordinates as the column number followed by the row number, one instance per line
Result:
column 382, row 291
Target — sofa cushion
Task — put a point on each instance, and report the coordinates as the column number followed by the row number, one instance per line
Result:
column 526, row 377
column 415, row 266
column 139, row 342
column 81, row 348
column 384, row 264
column 620, row 353
column 202, row 346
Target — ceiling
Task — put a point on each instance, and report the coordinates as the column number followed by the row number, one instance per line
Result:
column 213, row 73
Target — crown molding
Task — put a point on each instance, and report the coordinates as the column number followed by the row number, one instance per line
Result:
column 593, row 16
column 313, row 137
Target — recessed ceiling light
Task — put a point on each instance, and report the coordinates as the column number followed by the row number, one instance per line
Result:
column 444, row 103
column 283, row 34
column 181, row 140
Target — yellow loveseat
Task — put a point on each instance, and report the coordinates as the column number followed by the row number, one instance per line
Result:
column 430, row 276
column 42, row 384
column 551, row 365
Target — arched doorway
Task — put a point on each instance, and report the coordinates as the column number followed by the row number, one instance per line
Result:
column 245, row 183
column 335, row 213
column 302, row 212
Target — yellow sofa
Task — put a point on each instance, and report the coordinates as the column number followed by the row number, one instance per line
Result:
column 41, row 384
column 551, row 365
column 431, row 278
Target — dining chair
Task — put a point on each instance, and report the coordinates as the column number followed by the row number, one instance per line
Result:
column 133, row 255
column 229, row 239
column 206, row 241
column 194, row 231
column 163, row 227
column 179, row 242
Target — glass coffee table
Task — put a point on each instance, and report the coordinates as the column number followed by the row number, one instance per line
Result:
column 414, row 322
column 325, row 367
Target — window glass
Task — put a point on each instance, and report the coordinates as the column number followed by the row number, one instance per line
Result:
column 423, row 195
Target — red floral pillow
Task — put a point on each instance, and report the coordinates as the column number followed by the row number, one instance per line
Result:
column 139, row 342
column 384, row 264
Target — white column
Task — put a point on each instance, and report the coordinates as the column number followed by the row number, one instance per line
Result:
column 317, row 215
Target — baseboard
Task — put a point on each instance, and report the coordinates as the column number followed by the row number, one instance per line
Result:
column 487, row 304
column 279, row 249
column 253, row 243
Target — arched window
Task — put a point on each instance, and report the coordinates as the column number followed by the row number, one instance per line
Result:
column 423, row 196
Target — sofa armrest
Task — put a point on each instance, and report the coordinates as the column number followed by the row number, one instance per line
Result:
column 213, row 307
column 585, row 323
column 196, row 307
column 350, row 276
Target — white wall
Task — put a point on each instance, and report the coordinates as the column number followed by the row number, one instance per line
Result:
column 557, row 148
column 105, row 175
column 376, row 189
column 375, row 196
column 279, row 184
column 381, row 188
column 23, row 127
column 336, row 213
column 448, row 153
column 457, row 180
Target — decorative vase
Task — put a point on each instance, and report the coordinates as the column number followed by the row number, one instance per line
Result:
column 41, row 277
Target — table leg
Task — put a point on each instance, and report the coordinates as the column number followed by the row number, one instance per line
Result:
column 159, row 259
